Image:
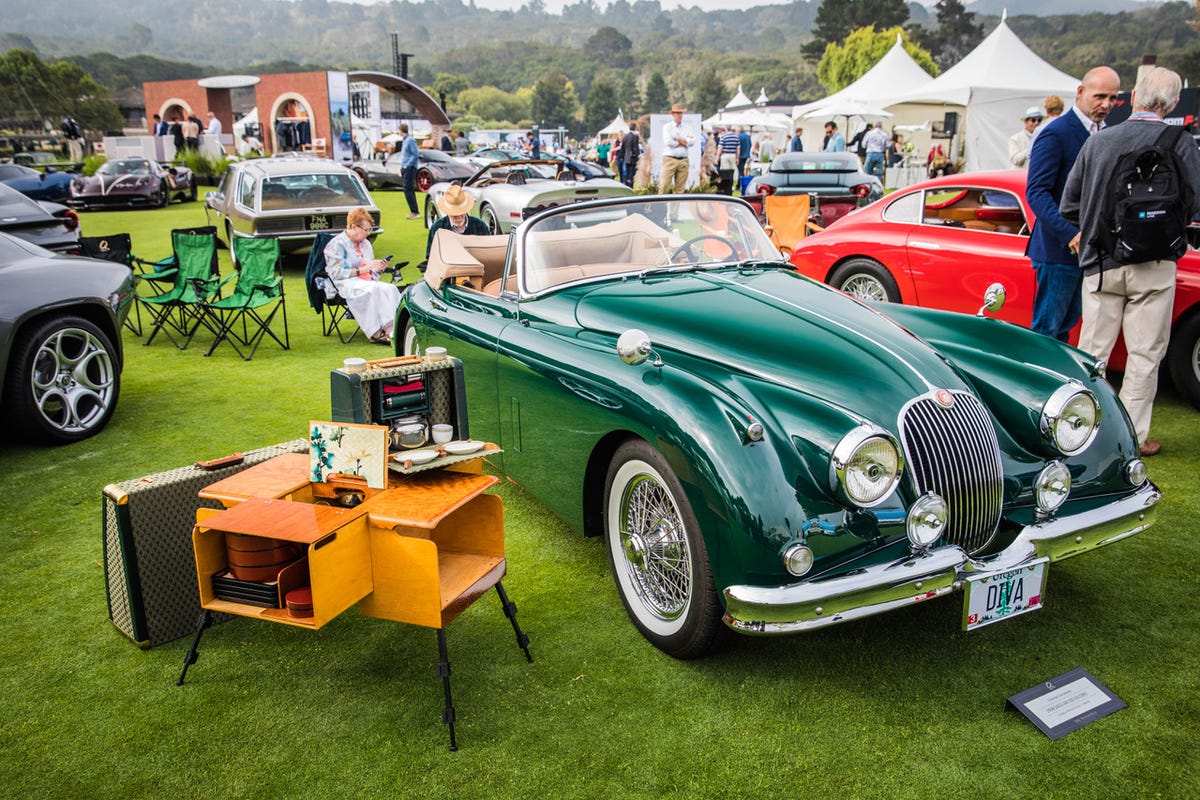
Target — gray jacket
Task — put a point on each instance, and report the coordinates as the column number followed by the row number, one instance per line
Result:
column 1082, row 198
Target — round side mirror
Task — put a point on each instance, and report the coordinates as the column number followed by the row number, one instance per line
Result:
column 633, row 346
column 993, row 298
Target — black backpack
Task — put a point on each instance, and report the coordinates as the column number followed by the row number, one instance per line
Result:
column 1146, row 204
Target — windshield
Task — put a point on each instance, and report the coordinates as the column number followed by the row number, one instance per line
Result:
column 125, row 166
column 312, row 189
column 663, row 234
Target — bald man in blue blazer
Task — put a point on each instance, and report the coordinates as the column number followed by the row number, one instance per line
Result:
column 1054, row 243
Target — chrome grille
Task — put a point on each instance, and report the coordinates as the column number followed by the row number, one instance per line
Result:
column 954, row 452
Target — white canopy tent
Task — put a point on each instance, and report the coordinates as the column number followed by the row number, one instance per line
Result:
column 995, row 82
column 753, row 119
column 865, row 98
column 740, row 100
column 618, row 125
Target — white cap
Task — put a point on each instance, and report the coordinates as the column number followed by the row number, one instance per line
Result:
column 1034, row 111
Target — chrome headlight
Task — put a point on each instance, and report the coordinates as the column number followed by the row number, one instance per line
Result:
column 866, row 466
column 1070, row 418
column 1135, row 472
column 926, row 520
column 1052, row 487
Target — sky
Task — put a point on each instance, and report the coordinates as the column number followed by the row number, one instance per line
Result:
column 555, row 6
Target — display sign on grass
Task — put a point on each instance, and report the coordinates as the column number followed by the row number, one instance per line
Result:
column 1066, row 702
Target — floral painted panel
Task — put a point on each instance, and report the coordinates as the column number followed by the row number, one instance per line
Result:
column 349, row 449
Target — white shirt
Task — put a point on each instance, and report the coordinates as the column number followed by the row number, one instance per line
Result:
column 214, row 127
column 875, row 140
column 1087, row 121
column 673, row 130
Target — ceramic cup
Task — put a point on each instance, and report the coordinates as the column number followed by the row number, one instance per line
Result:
column 354, row 364
column 442, row 433
column 435, row 353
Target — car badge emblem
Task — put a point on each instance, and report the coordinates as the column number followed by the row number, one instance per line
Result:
column 943, row 398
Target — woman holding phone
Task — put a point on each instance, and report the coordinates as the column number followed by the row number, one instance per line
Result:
column 351, row 264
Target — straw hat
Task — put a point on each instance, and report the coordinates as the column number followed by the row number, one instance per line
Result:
column 1033, row 112
column 677, row 107
column 455, row 201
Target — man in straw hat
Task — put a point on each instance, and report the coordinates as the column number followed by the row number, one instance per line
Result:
column 678, row 139
column 454, row 204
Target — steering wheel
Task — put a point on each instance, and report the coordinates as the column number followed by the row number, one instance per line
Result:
column 686, row 247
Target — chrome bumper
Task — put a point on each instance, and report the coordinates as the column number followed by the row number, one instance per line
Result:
column 810, row 605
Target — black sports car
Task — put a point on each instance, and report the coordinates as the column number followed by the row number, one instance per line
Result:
column 132, row 183
column 49, row 225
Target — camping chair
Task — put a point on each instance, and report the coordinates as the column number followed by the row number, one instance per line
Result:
column 788, row 220
column 323, row 296
column 256, row 298
column 118, row 248
column 177, row 310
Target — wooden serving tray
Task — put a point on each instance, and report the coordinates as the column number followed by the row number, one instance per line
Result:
column 396, row 460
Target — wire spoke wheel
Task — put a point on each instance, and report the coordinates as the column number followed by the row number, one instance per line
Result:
column 658, row 556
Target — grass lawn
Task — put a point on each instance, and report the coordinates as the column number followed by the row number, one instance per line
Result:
column 896, row 706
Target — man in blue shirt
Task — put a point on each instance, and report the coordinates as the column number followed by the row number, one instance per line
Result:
column 797, row 143
column 834, row 141
column 408, row 169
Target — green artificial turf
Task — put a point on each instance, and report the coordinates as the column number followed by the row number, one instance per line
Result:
column 896, row 706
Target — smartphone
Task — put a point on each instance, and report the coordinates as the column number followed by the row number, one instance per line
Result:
column 388, row 257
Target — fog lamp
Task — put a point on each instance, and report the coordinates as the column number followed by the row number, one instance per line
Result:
column 926, row 520
column 798, row 559
column 1135, row 472
column 1053, row 486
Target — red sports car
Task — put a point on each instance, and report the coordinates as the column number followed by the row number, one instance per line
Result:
column 942, row 242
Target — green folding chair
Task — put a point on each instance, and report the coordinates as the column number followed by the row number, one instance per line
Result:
column 244, row 317
column 177, row 310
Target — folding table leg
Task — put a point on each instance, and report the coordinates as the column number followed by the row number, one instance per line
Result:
column 510, row 611
column 443, row 669
column 193, row 653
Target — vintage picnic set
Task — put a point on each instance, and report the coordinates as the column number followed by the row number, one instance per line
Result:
column 299, row 532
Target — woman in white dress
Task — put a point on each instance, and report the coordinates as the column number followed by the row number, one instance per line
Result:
column 350, row 262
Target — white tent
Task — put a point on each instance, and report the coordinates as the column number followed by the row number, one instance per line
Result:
column 752, row 118
column 740, row 100
column 995, row 82
column 893, row 74
column 618, row 125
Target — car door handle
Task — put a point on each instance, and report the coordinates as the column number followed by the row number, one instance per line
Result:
column 434, row 304
column 925, row 245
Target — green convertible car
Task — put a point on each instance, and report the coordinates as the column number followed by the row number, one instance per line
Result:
column 758, row 450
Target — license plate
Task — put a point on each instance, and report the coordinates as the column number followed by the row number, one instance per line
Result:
column 1004, row 595
column 318, row 222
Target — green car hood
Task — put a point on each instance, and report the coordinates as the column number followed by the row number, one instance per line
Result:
column 778, row 326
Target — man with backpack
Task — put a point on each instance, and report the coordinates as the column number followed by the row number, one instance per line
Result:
column 1132, row 194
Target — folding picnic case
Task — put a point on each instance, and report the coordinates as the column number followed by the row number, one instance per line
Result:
column 149, row 566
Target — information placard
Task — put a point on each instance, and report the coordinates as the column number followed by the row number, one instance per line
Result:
column 1066, row 702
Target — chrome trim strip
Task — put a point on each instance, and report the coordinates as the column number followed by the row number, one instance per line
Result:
column 809, row 605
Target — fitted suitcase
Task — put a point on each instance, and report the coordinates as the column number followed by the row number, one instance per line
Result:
column 149, row 565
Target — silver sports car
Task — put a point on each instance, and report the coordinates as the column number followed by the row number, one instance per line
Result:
column 506, row 192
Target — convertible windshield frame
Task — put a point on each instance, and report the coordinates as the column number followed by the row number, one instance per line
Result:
column 636, row 238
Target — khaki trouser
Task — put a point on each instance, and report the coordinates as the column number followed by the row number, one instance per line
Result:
column 75, row 148
column 1134, row 300
column 674, row 175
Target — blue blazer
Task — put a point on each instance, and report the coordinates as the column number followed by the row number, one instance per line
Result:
column 1050, row 161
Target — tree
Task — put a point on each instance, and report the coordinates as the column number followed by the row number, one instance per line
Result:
column 843, row 64
column 837, row 18
column 656, row 95
column 601, row 106
column 554, row 101
column 629, row 97
column 35, row 93
column 955, row 36
column 491, row 104
column 450, row 84
column 710, row 93
column 610, row 47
